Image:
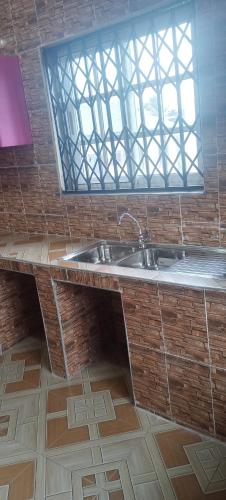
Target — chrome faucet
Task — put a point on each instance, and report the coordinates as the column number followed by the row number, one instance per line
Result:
column 143, row 235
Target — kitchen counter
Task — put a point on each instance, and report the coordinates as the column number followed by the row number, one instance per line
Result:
column 174, row 324
column 48, row 250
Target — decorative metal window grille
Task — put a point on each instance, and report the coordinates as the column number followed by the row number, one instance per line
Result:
column 125, row 105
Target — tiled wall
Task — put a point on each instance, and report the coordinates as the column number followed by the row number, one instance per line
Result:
column 19, row 305
column 30, row 198
column 92, row 325
column 177, row 343
column 82, row 323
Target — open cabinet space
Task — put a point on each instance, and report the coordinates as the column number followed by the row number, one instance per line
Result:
column 92, row 326
column 20, row 310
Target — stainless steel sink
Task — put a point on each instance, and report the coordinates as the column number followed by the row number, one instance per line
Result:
column 178, row 259
column 153, row 258
column 104, row 252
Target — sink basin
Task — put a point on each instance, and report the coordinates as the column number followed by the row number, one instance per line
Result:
column 103, row 253
column 152, row 258
column 178, row 259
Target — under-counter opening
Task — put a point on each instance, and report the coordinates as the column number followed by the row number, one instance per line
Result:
column 20, row 309
column 93, row 327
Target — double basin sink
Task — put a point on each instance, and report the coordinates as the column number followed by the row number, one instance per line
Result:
column 173, row 258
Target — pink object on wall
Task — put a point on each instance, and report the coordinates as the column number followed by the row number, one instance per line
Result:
column 15, row 127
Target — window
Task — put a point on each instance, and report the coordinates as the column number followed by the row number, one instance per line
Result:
column 125, row 106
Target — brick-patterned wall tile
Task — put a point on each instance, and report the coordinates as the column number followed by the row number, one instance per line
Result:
column 36, row 223
column 163, row 218
column 25, row 24
column 4, row 223
column 7, row 157
column 190, row 394
column 104, row 216
column 119, row 344
column 144, row 4
column 7, row 32
column 78, row 16
column 219, row 401
column 203, row 208
column 25, row 156
column 106, row 10
column 150, row 380
column 33, row 82
column 79, row 216
column 142, row 313
column 31, row 190
column 10, row 182
column 52, row 199
column 184, row 322
column 57, row 224
column 216, row 317
column 42, row 136
column 20, row 310
column 50, row 19
column 17, row 223
column 201, row 234
column 93, row 279
column 51, row 321
column 87, row 334
column 80, row 325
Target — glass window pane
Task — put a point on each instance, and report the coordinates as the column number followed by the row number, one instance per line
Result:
column 188, row 101
column 132, row 104
column 170, row 106
column 184, row 51
column 173, row 152
column 86, row 118
column 145, row 58
column 150, row 106
column 129, row 74
column 155, row 155
column 166, row 53
column 79, row 76
column 191, row 150
column 116, row 114
column 110, row 69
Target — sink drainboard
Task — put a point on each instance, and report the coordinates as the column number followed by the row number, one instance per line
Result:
column 202, row 264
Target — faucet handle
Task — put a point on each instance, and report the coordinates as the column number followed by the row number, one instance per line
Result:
column 144, row 236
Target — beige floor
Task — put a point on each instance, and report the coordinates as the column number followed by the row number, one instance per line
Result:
column 83, row 439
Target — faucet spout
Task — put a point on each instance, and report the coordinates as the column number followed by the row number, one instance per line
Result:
column 143, row 236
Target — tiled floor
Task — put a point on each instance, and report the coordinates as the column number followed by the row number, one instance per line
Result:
column 83, row 439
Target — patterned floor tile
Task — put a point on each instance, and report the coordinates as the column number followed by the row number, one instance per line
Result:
column 8, row 420
column 22, row 425
column 116, row 386
column 57, row 398
column 118, row 487
column 187, row 488
column 83, row 439
column 30, row 380
column 209, row 464
column 18, row 480
column 11, row 372
column 171, row 445
column 21, row 368
column 30, row 357
column 58, row 433
column 126, row 420
column 90, row 409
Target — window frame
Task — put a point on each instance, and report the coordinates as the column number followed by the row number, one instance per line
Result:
column 50, row 54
